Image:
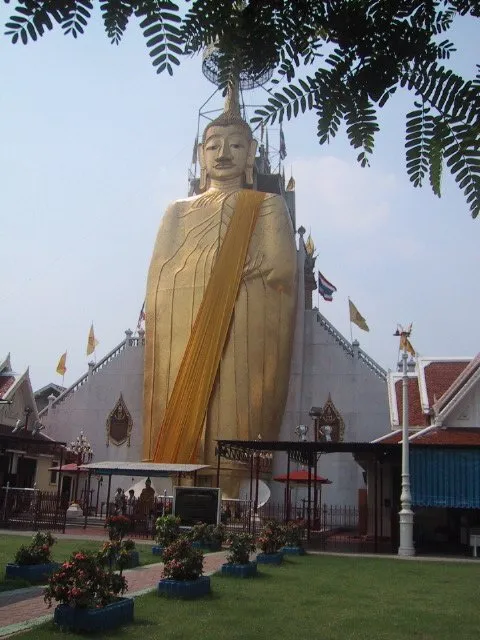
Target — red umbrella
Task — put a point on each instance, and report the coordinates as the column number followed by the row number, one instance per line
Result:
column 301, row 477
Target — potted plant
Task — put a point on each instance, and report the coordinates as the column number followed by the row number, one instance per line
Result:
column 207, row 536
column 183, row 571
column 271, row 541
column 120, row 554
column 88, row 595
column 238, row 563
column 216, row 534
column 126, row 554
column 198, row 535
column 167, row 530
column 33, row 562
column 293, row 535
column 117, row 526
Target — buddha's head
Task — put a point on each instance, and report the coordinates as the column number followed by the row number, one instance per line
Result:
column 228, row 148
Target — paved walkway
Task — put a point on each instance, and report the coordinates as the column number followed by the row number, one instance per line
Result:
column 25, row 608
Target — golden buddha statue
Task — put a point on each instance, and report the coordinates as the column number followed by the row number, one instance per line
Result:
column 221, row 295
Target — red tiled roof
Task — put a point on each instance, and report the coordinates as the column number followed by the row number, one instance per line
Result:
column 5, row 384
column 68, row 468
column 469, row 371
column 450, row 435
column 439, row 376
column 301, row 477
column 416, row 417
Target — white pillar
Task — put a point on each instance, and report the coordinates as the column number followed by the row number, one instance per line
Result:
column 91, row 367
column 406, row 547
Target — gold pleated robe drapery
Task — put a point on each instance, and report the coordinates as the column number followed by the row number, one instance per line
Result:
column 250, row 387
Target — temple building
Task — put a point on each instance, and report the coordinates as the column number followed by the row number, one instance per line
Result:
column 26, row 453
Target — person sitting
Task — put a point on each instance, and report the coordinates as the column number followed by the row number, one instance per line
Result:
column 146, row 501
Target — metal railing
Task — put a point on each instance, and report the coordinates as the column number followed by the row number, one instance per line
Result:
column 130, row 341
column 31, row 509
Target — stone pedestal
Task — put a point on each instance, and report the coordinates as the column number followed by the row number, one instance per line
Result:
column 74, row 511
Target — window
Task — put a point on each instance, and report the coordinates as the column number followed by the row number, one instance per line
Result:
column 54, row 474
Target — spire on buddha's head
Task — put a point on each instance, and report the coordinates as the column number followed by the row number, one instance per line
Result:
column 231, row 112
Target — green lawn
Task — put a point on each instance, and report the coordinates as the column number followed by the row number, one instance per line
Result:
column 61, row 550
column 316, row 597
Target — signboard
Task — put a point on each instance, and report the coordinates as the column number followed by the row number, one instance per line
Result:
column 196, row 504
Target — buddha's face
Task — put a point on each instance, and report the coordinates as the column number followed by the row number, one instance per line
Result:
column 226, row 151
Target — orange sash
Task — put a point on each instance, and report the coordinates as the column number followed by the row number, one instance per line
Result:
column 182, row 425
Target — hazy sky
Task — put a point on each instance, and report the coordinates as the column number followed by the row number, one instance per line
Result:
column 94, row 145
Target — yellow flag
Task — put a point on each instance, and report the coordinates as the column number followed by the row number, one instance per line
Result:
column 406, row 345
column 92, row 342
column 62, row 364
column 356, row 317
column 291, row 184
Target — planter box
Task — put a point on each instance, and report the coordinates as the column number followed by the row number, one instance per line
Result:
column 31, row 572
column 197, row 544
column 157, row 550
column 240, row 570
column 133, row 560
column 212, row 546
column 270, row 558
column 185, row 588
column 109, row 617
column 294, row 551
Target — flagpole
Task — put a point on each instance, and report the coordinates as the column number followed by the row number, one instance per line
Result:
column 350, row 317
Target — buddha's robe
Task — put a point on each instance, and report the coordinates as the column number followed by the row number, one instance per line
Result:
column 250, row 388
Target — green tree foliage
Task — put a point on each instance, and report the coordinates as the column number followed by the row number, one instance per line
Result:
column 341, row 59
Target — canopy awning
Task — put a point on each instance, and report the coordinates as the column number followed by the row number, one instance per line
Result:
column 154, row 469
column 301, row 477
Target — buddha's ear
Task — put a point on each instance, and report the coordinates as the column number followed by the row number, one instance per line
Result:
column 252, row 150
column 203, row 168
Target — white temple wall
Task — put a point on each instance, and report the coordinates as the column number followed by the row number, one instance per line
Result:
column 358, row 393
column 88, row 408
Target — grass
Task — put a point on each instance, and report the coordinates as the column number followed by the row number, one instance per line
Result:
column 61, row 550
column 316, row 597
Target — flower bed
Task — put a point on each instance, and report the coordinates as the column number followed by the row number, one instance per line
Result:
column 167, row 530
column 33, row 562
column 272, row 538
column 248, row 570
column 238, row 564
column 182, row 572
column 185, row 588
column 83, row 582
column 293, row 551
column 270, row 558
column 111, row 616
column 207, row 536
column 118, row 527
column 34, row 573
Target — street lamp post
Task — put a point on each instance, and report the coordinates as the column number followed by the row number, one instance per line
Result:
column 82, row 448
column 406, row 547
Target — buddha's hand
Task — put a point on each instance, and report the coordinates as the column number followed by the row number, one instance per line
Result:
column 253, row 265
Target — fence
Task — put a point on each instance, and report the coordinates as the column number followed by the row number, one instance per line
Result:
column 340, row 528
column 31, row 509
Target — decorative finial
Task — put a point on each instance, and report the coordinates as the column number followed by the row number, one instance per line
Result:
column 232, row 99
column 310, row 246
column 231, row 112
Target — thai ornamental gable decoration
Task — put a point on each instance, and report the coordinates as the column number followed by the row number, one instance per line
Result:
column 330, row 425
column 119, row 424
